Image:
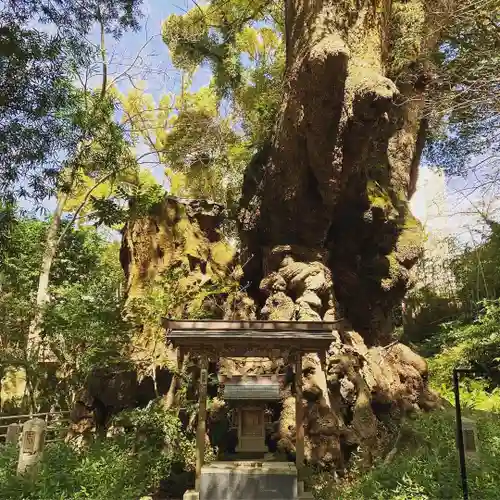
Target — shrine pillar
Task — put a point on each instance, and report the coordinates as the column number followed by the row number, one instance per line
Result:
column 299, row 417
column 202, row 417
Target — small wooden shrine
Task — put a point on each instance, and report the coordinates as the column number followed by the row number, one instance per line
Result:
column 287, row 340
column 248, row 396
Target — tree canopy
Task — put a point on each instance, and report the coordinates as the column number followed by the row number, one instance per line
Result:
column 43, row 49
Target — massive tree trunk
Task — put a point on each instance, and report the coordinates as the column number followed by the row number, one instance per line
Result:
column 324, row 215
column 325, row 226
column 333, row 185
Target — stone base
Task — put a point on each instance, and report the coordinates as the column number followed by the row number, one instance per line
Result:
column 252, row 446
column 248, row 480
column 306, row 495
column 191, row 495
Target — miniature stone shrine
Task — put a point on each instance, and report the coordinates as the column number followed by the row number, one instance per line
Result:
column 248, row 395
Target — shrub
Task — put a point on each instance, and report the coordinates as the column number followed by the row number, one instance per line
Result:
column 151, row 450
column 426, row 467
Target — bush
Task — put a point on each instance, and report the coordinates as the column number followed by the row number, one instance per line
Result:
column 426, row 467
column 152, row 449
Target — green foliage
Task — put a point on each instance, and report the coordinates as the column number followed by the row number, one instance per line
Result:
column 182, row 295
column 210, row 33
column 203, row 155
column 41, row 109
column 477, row 269
column 458, row 321
column 426, row 465
column 468, row 344
column 242, row 42
column 36, row 96
column 407, row 33
column 204, row 151
column 464, row 111
column 176, row 293
column 475, row 394
column 83, row 320
column 126, row 467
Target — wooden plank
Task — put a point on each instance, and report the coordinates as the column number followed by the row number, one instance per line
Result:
column 245, row 350
column 249, row 334
column 220, row 325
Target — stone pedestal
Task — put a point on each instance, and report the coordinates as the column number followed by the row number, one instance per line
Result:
column 13, row 432
column 249, row 481
column 191, row 495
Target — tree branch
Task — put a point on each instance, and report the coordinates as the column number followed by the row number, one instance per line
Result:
column 82, row 204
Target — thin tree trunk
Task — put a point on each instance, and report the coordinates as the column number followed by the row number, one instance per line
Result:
column 37, row 351
column 42, row 296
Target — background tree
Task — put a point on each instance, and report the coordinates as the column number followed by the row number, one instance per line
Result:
column 39, row 100
column 83, row 323
column 96, row 147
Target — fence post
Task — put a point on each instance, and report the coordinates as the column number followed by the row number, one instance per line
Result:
column 12, row 436
column 32, row 445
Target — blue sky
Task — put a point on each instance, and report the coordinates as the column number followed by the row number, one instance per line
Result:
column 146, row 58
column 159, row 73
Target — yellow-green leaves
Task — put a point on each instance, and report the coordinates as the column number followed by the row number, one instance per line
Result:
column 188, row 38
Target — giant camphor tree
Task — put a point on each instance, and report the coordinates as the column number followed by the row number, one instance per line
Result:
column 324, row 222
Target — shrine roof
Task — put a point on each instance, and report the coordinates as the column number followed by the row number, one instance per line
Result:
column 279, row 333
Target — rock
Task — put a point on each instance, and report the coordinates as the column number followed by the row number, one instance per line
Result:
column 310, row 298
column 319, row 282
column 278, row 306
column 330, row 315
column 347, row 390
column 404, row 354
column 306, row 313
column 273, row 283
column 239, row 307
column 294, row 269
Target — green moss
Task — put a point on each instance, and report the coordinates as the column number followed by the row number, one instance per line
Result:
column 221, row 254
column 380, row 198
column 377, row 196
column 393, row 273
column 194, row 243
column 410, row 240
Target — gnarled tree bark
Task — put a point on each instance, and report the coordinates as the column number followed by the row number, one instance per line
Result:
column 324, row 217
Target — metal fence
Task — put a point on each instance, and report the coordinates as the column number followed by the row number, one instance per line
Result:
column 57, row 424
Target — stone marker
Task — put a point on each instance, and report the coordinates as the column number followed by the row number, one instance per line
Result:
column 469, row 431
column 32, row 445
column 12, row 436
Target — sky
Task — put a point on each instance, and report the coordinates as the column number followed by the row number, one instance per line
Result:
column 144, row 56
